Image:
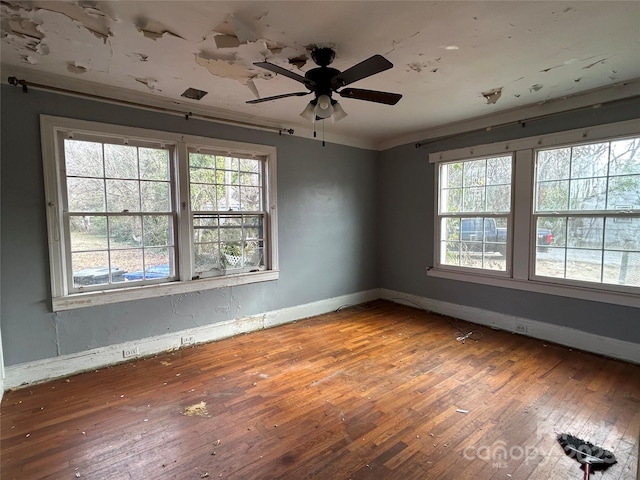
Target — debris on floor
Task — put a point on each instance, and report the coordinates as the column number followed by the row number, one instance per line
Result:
column 199, row 409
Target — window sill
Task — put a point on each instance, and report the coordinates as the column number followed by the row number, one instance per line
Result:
column 104, row 297
column 537, row 286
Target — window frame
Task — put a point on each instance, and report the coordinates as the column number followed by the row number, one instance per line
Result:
column 521, row 243
column 53, row 129
column 440, row 215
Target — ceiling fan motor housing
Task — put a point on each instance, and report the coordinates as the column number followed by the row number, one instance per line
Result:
column 323, row 56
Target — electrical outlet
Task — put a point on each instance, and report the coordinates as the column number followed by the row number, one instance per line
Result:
column 130, row 352
column 188, row 340
column 521, row 328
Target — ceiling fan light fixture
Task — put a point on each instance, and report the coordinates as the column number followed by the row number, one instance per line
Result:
column 309, row 112
column 338, row 112
column 323, row 108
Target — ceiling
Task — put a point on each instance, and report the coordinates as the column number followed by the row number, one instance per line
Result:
column 453, row 60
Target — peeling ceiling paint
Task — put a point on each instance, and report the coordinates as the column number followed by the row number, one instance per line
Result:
column 448, row 56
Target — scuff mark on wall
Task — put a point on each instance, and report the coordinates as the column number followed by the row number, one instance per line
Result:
column 492, row 95
column 29, row 59
column 535, row 88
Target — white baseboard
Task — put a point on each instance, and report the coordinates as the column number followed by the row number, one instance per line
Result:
column 47, row 369
column 569, row 337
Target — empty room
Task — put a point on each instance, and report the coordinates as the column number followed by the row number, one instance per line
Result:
column 320, row 239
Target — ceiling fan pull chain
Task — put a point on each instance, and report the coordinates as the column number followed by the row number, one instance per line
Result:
column 323, row 132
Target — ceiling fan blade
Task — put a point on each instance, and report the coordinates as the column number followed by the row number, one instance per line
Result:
column 370, row 95
column 283, row 71
column 366, row 68
column 276, row 97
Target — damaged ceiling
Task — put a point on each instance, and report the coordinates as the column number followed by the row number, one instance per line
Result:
column 453, row 61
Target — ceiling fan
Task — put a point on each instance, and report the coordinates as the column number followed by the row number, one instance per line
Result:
column 323, row 80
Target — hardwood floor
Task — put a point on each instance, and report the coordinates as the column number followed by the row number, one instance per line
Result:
column 373, row 391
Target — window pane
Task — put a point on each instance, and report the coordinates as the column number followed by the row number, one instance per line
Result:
column 83, row 159
column 154, row 163
column 551, row 231
column 157, row 230
column 624, row 192
column 125, row 231
column 251, row 198
column 588, row 194
column 585, row 232
column 121, row 161
column 584, row 265
column 590, row 160
column 123, row 196
column 552, row 196
column 622, row 268
column 229, row 197
column 159, row 262
column 451, row 175
column 203, row 197
column 622, row 234
column 254, row 254
column 498, row 198
column 474, row 173
column 129, row 260
column 451, row 200
column 499, row 171
column 155, row 196
column 85, row 195
column 625, row 157
column 92, row 269
column 251, row 179
column 473, row 199
column 553, row 164
column 88, row 233
column 207, row 257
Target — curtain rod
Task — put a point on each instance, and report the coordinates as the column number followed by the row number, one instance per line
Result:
column 523, row 122
column 24, row 84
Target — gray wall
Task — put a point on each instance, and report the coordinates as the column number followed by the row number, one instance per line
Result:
column 406, row 205
column 349, row 220
column 327, row 234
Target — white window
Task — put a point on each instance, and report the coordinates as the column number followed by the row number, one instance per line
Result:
column 585, row 199
column 474, row 213
column 554, row 214
column 136, row 213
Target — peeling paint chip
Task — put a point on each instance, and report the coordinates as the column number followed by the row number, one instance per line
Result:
column 299, row 61
column 199, row 410
column 75, row 68
column 492, row 96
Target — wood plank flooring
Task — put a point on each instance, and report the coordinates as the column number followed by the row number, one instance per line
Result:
column 368, row 392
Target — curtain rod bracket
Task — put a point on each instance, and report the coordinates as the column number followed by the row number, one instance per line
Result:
column 15, row 82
